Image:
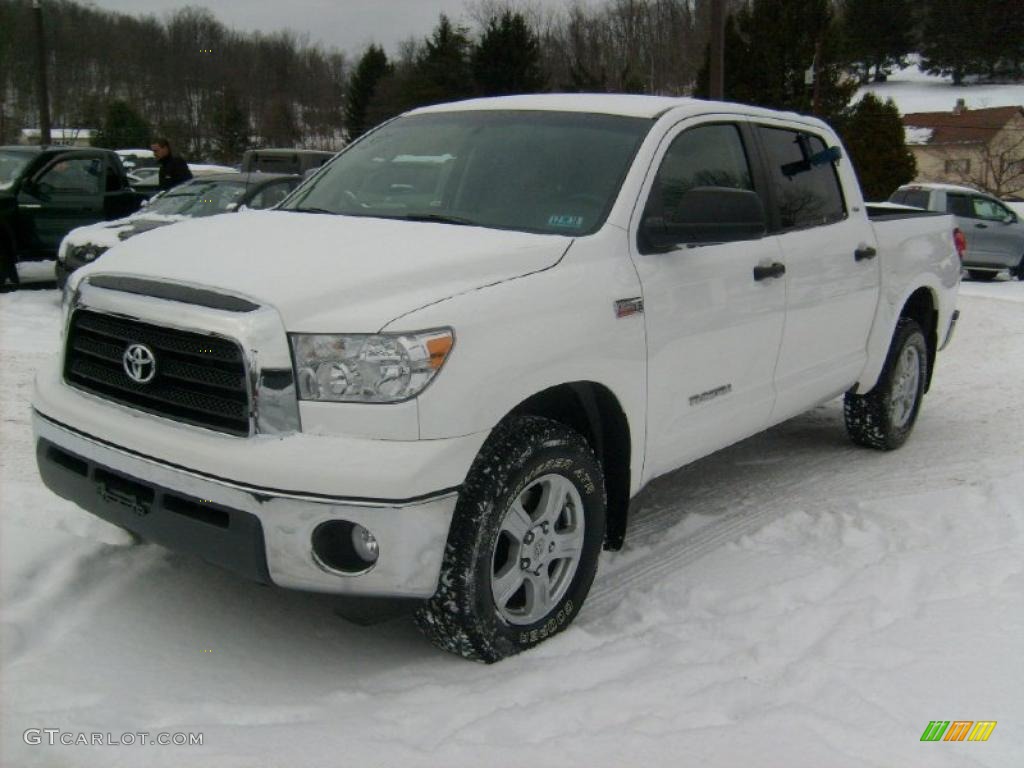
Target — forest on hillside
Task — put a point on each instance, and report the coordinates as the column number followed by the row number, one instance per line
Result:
column 216, row 91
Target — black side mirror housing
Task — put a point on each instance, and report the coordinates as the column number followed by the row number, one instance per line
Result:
column 707, row 215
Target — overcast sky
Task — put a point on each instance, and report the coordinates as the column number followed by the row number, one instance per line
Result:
column 346, row 24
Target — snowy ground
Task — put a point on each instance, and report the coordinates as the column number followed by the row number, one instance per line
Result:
column 791, row 601
column 917, row 91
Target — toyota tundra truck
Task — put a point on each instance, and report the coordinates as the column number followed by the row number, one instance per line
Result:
column 444, row 365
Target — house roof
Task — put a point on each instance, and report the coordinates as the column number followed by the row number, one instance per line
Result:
column 960, row 126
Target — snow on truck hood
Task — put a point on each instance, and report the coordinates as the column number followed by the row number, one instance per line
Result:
column 328, row 273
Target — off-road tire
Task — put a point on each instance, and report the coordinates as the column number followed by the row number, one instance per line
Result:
column 869, row 417
column 462, row 616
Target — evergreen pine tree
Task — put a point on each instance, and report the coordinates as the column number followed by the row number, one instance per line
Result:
column 874, row 137
column 877, row 34
column 951, row 40
column 231, row 129
column 372, row 67
column 507, row 60
column 122, row 128
column 443, row 71
column 770, row 45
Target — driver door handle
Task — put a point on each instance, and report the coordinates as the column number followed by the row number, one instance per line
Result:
column 772, row 270
column 867, row 252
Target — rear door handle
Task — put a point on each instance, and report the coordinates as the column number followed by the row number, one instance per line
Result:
column 774, row 269
column 867, row 252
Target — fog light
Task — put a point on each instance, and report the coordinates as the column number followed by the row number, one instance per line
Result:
column 365, row 544
column 344, row 547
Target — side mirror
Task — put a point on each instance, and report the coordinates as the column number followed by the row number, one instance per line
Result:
column 1010, row 218
column 144, row 204
column 707, row 215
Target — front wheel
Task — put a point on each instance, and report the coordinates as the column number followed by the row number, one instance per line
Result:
column 884, row 417
column 524, row 543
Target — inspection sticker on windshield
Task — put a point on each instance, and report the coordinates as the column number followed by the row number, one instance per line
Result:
column 570, row 222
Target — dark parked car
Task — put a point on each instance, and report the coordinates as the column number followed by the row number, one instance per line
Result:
column 204, row 196
column 45, row 192
column 284, row 160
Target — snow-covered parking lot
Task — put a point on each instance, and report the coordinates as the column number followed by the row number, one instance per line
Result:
column 790, row 601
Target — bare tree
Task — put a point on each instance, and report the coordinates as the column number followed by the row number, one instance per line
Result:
column 996, row 166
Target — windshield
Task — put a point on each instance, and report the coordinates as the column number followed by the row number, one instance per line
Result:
column 548, row 172
column 198, row 198
column 11, row 166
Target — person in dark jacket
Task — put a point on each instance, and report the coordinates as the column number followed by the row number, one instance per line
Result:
column 173, row 169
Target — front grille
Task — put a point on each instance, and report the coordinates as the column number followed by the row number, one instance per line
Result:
column 199, row 379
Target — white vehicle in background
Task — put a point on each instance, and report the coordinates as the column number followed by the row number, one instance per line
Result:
column 441, row 369
column 134, row 159
column 144, row 177
column 208, row 195
column 994, row 232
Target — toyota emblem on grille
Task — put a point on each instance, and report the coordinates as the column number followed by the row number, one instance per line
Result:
column 139, row 363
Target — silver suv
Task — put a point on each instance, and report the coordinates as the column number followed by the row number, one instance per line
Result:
column 995, row 234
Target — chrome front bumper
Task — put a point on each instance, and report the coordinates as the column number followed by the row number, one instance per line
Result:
column 411, row 534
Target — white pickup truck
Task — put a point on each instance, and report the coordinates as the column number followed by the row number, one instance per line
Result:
column 443, row 367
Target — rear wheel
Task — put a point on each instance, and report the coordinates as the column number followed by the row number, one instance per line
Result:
column 884, row 417
column 524, row 542
column 982, row 274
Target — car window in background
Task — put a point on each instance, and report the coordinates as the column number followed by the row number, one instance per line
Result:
column 271, row 195
column 550, row 172
column 959, row 205
column 73, row 176
column 915, row 198
column 706, row 156
column 11, row 166
column 198, row 198
column 806, row 186
column 276, row 164
column 988, row 209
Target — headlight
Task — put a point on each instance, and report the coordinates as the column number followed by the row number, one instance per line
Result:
column 368, row 368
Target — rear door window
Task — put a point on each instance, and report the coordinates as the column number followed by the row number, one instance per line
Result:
column 803, row 178
column 915, row 198
column 959, row 205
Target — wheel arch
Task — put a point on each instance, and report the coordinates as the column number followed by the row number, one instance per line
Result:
column 922, row 307
column 594, row 411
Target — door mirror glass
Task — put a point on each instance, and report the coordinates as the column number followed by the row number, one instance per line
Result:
column 707, row 215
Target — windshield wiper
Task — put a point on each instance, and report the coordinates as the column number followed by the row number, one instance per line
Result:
column 439, row 218
column 311, row 210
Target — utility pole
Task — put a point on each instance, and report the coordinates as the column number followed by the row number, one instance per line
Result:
column 41, row 91
column 816, row 93
column 716, row 66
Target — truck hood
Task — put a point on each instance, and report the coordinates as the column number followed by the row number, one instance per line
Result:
column 328, row 273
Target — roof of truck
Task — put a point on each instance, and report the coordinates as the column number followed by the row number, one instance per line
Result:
column 930, row 185
column 625, row 105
